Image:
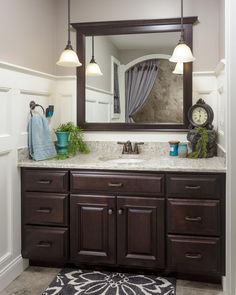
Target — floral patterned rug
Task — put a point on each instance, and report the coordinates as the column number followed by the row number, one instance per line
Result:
column 85, row 282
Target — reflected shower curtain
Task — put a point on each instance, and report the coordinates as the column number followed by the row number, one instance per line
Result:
column 139, row 81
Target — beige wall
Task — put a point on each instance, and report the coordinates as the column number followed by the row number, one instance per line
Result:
column 28, row 33
column 33, row 32
column 206, row 33
column 222, row 29
column 103, row 49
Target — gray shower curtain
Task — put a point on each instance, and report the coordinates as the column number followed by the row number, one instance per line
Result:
column 139, row 81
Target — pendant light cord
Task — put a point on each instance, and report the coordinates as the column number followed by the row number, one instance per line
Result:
column 69, row 42
column 92, row 47
column 182, row 22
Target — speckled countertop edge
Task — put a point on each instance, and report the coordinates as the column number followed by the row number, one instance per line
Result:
column 150, row 162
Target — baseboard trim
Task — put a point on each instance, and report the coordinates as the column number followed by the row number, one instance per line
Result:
column 12, row 271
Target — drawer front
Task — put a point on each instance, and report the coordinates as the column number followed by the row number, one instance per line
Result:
column 45, row 180
column 199, row 186
column 194, row 255
column 45, row 244
column 45, row 208
column 141, row 184
column 196, row 217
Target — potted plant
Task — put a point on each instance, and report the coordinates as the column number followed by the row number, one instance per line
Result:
column 70, row 140
column 199, row 142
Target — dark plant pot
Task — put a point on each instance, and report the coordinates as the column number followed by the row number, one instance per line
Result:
column 62, row 142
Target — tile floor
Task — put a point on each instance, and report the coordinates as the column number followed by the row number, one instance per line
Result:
column 35, row 280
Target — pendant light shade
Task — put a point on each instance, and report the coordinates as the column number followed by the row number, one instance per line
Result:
column 69, row 58
column 179, row 69
column 93, row 68
column 182, row 53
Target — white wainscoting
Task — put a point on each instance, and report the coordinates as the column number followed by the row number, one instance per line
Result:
column 18, row 86
column 210, row 86
column 98, row 105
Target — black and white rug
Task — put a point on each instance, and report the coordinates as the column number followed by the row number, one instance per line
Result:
column 81, row 282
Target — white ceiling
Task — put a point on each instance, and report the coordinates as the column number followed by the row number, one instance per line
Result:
column 146, row 41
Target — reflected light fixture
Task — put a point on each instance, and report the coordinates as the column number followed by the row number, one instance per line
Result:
column 179, row 68
column 69, row 57
column 93, row 68
column 182, row 52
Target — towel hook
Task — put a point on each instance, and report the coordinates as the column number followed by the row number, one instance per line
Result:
column 33, row 105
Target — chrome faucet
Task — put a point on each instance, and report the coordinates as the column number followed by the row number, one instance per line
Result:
column 128, row 149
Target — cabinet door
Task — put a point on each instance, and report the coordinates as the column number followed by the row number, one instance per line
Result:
column 93, row 229
column 140, row 226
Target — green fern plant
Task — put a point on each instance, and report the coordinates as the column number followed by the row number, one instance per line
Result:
column 76, row 140
column 200, row 150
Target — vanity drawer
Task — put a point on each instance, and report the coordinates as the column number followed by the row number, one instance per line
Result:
column 207, row 186
column 45, row 180
column 45, row 208
column 195, row 217
column 130, row 183
column 45, row 243
column 193, row 254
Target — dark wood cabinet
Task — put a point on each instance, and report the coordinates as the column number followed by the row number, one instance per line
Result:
column 117, row 183
column 45, row 215
column 140, row 232
column 45, row 244
column 194, row 217
column 191, row 254
column 139, row 223
column 93, row 229
column 196, row 223
column 174, row 222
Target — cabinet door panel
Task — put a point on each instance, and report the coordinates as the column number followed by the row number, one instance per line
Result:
column 140, row 225
column 93, row 229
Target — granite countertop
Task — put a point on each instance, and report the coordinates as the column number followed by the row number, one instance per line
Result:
column 151, row 159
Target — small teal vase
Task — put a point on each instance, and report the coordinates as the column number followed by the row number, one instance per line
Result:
column 62, row 142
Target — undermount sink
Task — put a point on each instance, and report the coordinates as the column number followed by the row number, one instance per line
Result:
column 122, row 160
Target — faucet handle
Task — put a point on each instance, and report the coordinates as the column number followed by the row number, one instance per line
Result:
column 136, row 149
column 124, row 151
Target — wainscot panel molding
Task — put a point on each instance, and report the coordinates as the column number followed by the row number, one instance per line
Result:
column 18, row 87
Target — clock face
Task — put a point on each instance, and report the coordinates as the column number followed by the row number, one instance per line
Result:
column 199, row 116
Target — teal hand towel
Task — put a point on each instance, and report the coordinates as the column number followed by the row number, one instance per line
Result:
column 40, row 143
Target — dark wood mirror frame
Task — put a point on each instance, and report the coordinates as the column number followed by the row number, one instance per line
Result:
column 132, row 27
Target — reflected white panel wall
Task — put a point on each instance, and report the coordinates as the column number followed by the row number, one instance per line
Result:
column 98, row 105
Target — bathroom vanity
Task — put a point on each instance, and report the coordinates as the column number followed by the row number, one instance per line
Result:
column 156, row 220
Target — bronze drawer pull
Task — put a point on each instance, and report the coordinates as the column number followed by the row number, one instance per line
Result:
column 44, row 244
column 192, row 187
column 111, row 184
column 194, row 219
column 120, row 211
column 45, row 181
column 193, row 256
column 45, row 210
column 110, row 211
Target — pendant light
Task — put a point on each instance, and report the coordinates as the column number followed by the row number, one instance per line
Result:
column 93, row 68
column 179, row 69
column 182, row 52
column 69, row 57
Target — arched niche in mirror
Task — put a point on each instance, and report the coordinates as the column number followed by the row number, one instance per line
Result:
column 119, row 45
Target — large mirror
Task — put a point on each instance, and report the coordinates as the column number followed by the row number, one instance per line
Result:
column 138, row 87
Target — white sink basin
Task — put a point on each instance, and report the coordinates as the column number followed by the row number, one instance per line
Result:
column 122, row 160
